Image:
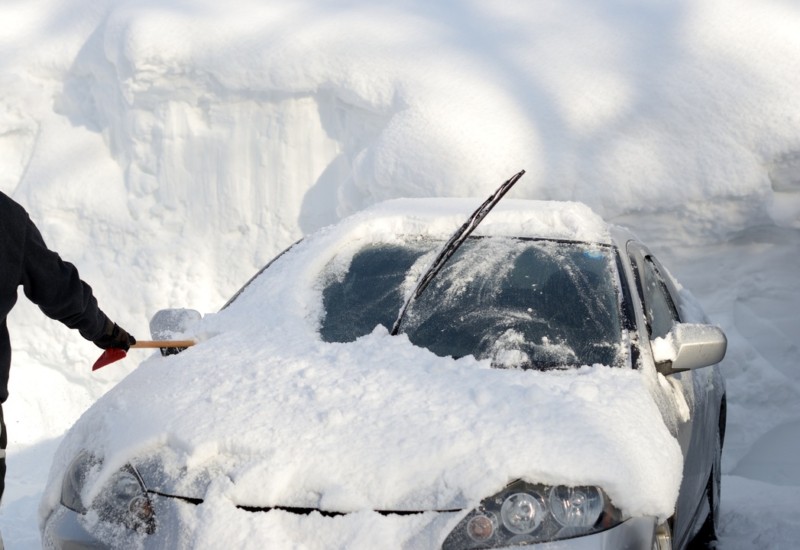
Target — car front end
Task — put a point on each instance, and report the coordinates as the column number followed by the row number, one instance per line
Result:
column 125, row 513
column 508, row 411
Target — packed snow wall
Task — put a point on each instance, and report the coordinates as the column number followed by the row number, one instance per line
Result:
column 169, row 149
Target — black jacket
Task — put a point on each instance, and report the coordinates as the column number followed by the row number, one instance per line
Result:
column 48, row 281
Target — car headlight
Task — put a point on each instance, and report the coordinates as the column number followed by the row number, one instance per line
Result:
column 122, row 500
column 526, row 513
column 75, row 479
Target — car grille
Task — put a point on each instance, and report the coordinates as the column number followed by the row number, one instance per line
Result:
column 306, row 511
column 328, row 513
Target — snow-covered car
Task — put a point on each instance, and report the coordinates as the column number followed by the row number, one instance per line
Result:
column 546, row 388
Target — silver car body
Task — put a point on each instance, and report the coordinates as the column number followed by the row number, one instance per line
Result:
column 698, row 428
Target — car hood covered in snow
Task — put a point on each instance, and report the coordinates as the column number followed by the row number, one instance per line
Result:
column 263, row 413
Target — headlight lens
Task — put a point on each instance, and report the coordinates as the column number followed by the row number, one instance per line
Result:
column 576, row 507
column 481, row 527
column 525, row 513
column 123, row 500
column 522, row 513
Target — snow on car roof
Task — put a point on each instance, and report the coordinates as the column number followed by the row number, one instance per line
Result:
column 287, row 419
column 294, row 285
column 440, row 217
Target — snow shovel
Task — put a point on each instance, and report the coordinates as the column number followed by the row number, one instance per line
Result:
column 112, row 355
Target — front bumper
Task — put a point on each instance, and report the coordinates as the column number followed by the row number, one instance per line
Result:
column 64, row 532
column 633, row 534
column 67, row 530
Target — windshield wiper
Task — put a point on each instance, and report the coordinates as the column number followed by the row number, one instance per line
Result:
column 454, row 242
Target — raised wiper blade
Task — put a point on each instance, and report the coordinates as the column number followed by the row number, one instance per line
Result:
column 454, row 243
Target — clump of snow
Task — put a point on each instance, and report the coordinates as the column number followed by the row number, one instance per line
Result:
column 171, row 150
column 664, row 349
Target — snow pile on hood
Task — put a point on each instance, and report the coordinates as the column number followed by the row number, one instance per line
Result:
column 381, row 424
column 377, row 423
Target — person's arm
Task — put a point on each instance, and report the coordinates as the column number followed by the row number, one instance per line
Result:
column 56, row 287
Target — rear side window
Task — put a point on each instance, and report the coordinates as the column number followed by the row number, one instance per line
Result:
column 660, row 310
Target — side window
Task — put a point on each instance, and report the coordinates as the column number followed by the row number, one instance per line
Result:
column 659, row 308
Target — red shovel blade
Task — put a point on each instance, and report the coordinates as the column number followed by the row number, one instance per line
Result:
column 109, row 356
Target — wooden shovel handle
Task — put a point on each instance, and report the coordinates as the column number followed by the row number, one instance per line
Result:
column 163, row 343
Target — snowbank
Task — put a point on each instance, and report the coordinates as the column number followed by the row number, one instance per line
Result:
column 170, row 150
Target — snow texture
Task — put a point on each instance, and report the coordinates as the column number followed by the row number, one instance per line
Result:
column 169, row 149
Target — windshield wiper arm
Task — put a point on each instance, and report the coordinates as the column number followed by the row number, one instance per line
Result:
column 454, row 243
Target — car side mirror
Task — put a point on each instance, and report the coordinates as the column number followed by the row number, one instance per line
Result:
column 172, row 324
column 689, row 346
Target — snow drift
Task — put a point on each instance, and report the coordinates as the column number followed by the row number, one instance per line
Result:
column 170, row 149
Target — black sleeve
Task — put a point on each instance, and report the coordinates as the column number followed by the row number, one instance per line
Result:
column 55, row 286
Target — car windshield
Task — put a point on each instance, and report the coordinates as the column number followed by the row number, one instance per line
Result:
column 521, row 303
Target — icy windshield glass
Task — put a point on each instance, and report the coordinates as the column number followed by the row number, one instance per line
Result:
column 520, row 303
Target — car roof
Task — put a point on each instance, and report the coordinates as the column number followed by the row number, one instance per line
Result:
column 440, row 217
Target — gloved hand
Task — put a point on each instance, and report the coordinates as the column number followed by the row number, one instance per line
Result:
column 115, row 337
